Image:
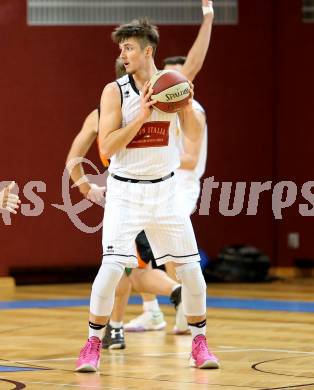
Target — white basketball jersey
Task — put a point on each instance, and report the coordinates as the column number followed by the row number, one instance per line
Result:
column 154, row 152
column 199, row 170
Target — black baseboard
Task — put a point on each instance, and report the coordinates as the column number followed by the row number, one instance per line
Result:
column 53, row 275
column 304, row 263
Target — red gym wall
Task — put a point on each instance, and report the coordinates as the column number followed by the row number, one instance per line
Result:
column 256, row 85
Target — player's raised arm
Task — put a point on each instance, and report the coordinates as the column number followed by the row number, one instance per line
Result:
column 9, row 201
column 196, row 56
column 112, row 137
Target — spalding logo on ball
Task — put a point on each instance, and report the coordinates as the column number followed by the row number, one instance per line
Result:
column 171, row 90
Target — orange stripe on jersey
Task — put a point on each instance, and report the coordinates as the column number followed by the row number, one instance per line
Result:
column 105, row 162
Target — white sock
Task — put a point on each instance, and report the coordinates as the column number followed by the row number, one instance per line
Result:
column 198, row 328
column 151, row 305
column 175, row 287
column 116, row 324
column 96, row 330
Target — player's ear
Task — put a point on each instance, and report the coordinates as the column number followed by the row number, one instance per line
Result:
column 148, row 51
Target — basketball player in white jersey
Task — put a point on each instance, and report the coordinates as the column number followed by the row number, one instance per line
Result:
column 152, row 318
column 8, row 201
column 141, row 193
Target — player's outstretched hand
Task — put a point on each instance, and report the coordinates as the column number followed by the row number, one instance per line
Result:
column 207, row 7
column 9, row 201
column 96, row 193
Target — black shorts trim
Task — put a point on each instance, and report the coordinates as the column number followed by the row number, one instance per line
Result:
column 176, row 257
column 118, row 254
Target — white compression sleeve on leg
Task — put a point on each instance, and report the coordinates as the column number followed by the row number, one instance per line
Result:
column 104, row 286
column 193, row 289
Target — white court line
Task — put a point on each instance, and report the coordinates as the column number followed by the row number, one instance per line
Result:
column 235, row 351
column 45, row 360
column 267, row 350
column 229, row 350
column 166, row 354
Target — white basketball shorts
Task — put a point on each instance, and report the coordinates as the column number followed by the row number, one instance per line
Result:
column 153, row 207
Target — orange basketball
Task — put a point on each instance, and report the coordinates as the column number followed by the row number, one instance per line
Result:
column 171, row 90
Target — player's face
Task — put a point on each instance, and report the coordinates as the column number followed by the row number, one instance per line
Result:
column 132, row 55
column 177, row 67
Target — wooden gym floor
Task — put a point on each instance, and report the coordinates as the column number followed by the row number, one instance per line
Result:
column 262, row 333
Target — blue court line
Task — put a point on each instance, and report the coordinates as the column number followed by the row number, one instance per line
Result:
column 14, row 369
column 221, row 302
column 42, row 304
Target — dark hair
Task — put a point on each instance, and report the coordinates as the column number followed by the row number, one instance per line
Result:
column 119, row 68
column 141, row 29
column 177, row 60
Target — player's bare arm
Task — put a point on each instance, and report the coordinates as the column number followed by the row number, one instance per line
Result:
column 189, row 158
column 112, row 137
column 79, row 149
column 196, row 56
column 190, row 123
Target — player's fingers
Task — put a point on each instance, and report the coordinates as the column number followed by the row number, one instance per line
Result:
column 12, row 206
column 151, row 103
column 11, row 210
column 148, row 95
column 12, row 197
column 13, row 201
column 191, row 90
column 145, row 88
column 10, row 203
